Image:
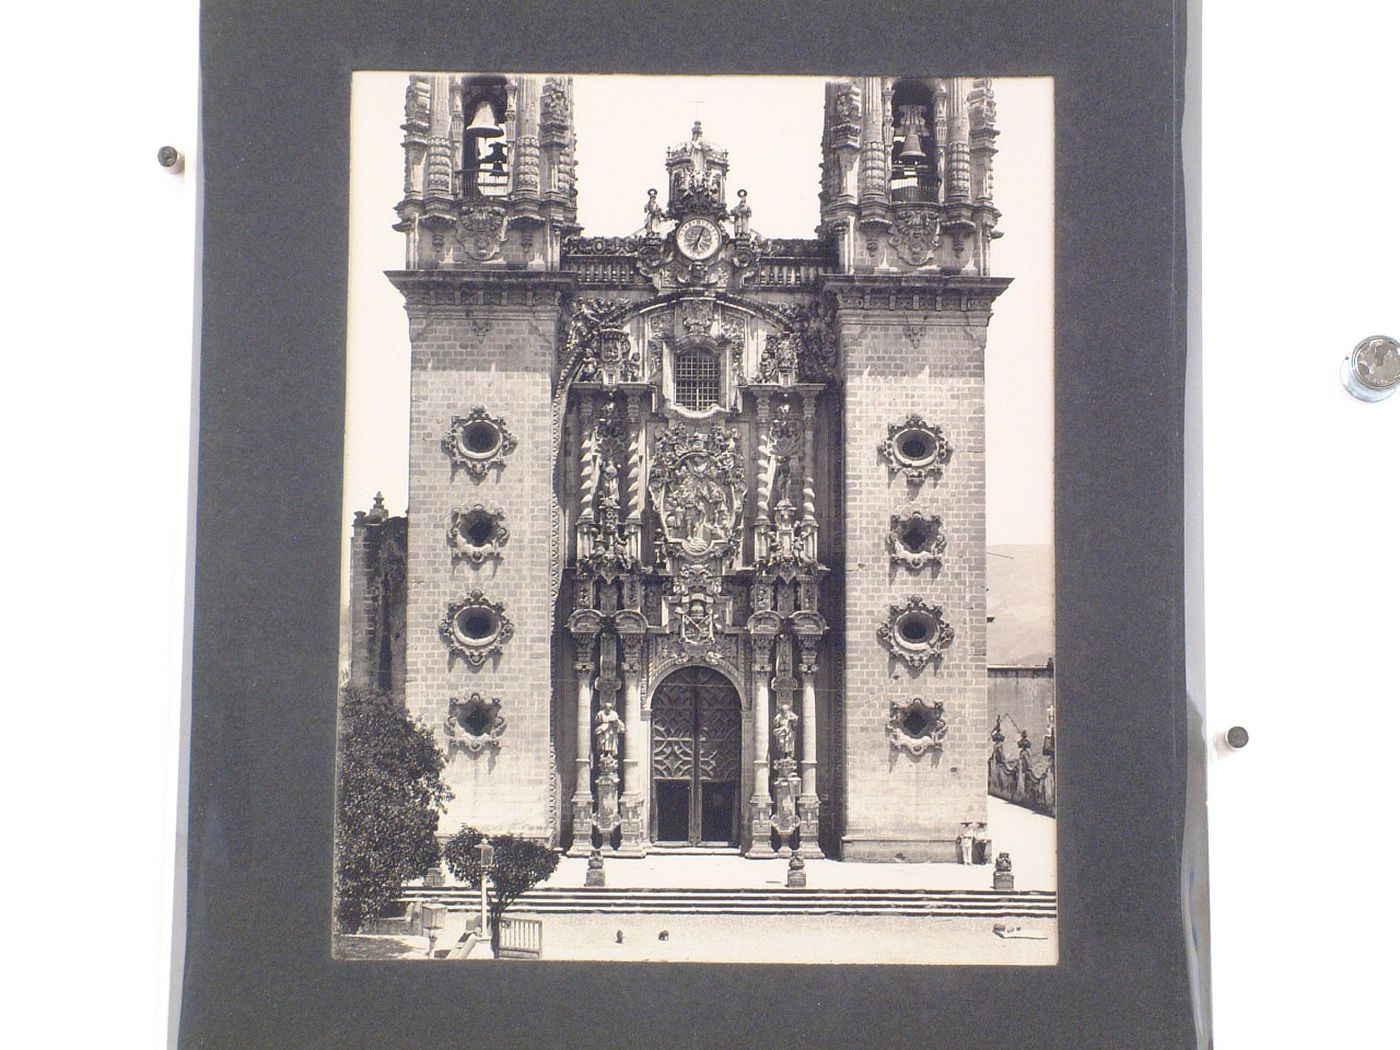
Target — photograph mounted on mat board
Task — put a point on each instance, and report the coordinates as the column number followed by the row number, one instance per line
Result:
column 698, row 548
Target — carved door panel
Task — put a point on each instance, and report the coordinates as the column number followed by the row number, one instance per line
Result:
column 696, row 726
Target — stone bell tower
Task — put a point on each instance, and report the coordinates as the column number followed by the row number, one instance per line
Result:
column 906, row 199
column 488, row 171
column 488, row 198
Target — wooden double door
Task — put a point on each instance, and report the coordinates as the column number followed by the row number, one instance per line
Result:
column 696, row 737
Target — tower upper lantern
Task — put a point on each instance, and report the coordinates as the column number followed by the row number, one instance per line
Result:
column 695, row 172
column 907, row 173
column 488, row 171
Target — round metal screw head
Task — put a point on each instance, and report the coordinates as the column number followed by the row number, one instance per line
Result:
column 1237, row 737
column 169, row 157
column 1371, row 371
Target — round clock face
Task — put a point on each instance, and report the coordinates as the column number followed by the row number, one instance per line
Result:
column 697, row 239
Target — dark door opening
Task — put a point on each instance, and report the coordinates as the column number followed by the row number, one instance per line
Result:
column 672, row 807
column 695, row 730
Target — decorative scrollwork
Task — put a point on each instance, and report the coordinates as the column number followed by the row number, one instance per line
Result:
column 915, row 235
column 475, row 627
column 474, row 723
column 697, row 487
column 477, row 533
column 916, row 539
column 481, row 228
column 916, row 449
column 478, row 441
column 915, row 726
column 592, row 330
column 916, row 633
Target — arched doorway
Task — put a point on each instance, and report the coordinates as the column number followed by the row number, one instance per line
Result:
column 696, row 725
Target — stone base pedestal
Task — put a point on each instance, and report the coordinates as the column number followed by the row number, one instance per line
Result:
column 633, row 841
column 582, row 806
column 797, row 873
column 808, row 813
column 760, row 830
column 595, row 876
column 1003, row 882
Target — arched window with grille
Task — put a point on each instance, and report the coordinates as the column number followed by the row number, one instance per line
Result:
column 697, row 378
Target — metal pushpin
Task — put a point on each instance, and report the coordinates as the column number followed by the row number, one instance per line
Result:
column 170, row 158
column 1237, row 737
column 1371, row 372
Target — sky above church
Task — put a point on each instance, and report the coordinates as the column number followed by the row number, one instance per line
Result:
column 771, row 127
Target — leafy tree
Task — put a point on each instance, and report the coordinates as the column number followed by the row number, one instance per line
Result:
column 389, row 795
column 517, row 864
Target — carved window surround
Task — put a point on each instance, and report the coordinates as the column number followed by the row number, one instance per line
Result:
column 916, row 633
column 916, row 539
column 475, row 627
column 477, row 442
column 916, row 727
column 477, row 533
column 916, row 449
column 474, row 723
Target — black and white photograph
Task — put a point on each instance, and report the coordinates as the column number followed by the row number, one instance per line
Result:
column 698, row 586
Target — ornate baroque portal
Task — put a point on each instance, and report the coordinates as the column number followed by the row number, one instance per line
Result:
column 705, row 448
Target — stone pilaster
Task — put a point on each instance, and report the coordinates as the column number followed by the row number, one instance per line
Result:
column 761, row 802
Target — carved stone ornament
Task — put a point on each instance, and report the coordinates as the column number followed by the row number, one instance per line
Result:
column 916, row 633
column 916, row 539
column 481, row 228
column 697, row 487
column 477, row 533
column 475, row 627
column 694, row 596
column 478, row 441
column 915, row 235
column 916, row 727
column 805, row 330
column 916, row 449
column 591, row 323
column 474, row 723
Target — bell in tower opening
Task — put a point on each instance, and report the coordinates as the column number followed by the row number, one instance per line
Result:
column 714, row 550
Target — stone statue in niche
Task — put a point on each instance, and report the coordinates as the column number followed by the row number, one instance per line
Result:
column 608, row 727
column 783, row 732
column 610, row 491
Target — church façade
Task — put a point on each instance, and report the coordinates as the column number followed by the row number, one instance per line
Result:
column 695, row 554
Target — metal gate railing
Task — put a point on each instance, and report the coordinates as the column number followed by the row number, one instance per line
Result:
column 521, row 938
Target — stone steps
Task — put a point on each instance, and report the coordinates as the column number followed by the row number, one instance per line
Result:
column 756, row 901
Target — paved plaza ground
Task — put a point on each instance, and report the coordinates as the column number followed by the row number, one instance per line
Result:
column 1028, row 837
column 796, row 938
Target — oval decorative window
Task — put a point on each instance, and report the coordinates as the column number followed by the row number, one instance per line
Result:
column 916, row 633
column 478, row 441
column 475, row 627
column 916, row 448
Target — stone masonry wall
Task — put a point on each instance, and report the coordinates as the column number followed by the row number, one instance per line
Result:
column 495, row 349
column 898, row 362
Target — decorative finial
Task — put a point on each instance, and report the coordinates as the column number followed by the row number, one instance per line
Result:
column 377, row 513
column 695, row 132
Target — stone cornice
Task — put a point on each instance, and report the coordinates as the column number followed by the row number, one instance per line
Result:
column 926, row 293
column 539, row 289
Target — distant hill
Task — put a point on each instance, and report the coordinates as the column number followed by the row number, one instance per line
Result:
column 1021, row 598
